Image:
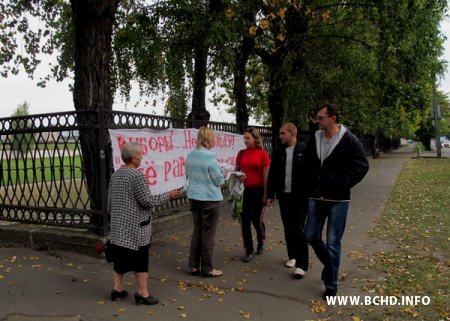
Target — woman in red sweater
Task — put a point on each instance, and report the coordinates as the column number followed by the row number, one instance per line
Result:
column 254, row 162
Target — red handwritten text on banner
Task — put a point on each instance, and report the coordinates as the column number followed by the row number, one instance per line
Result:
column 165, row 151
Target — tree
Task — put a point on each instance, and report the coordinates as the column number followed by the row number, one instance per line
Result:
column 22, row 142
column 243, row 50
column 81, row 30
column 409, row 48
column 93, row 22
column 375, row 59
column 176, row 47
column 444, row 103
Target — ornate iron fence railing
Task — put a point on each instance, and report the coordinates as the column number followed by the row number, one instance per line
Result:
column 43, row 177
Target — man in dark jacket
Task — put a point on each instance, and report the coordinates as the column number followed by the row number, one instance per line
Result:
column 286, row 183
column 335, row 162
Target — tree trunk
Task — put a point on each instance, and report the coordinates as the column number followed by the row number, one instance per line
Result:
column 93, row 21
column 199, row 116
column 249, row 9
column 277, row 82
column 240, row 84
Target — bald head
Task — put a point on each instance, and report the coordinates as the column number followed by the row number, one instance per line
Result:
column 288, row 134
column 290, row 127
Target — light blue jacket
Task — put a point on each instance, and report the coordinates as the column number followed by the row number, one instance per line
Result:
column 204, row 176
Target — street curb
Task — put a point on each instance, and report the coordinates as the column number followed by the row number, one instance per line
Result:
column 83, row 241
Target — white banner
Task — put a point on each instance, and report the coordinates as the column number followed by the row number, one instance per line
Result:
column 164, row 153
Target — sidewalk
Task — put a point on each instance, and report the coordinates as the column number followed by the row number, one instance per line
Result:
column 47, row 286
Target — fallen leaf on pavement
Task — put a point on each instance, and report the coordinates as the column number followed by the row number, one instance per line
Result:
column 245, row 315
column 317, row 306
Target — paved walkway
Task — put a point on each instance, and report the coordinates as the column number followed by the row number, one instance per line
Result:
column 47, row 286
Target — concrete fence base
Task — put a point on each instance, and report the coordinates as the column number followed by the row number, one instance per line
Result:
column 82, row 241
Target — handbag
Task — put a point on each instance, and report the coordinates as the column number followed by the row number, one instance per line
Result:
column 107, row 249
column 109, row 252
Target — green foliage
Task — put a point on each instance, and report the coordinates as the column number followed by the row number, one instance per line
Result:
column 375, row 59
column 410, row 45
column 154, row 45
column 444, row 103
column 22, row 142
column 257, row 91
column 31, row 28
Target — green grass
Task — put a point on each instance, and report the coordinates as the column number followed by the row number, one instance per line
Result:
column 48, row 146
column 415, row 224
column 19, row 171
column 48, row 182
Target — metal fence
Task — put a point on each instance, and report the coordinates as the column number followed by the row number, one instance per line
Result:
column 43, row 175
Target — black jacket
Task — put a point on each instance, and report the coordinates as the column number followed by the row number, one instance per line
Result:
column 277, row 172
column 345, row 167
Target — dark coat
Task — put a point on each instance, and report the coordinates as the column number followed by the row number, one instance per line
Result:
column 278, row 169
column 345, row 167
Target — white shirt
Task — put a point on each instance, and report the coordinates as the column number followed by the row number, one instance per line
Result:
column 288, row 169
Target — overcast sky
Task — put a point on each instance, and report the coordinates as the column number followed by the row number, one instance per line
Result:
column 56, row 97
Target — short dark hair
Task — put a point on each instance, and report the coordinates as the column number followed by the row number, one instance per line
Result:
column 332, row 110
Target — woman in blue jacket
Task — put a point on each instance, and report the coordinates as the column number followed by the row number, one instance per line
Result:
column 204, row 194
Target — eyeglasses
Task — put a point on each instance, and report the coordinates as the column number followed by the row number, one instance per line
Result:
column 319, row 118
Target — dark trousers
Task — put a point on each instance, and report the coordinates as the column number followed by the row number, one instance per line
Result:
column 252, row 213
column 205, row 215
column 294, row 219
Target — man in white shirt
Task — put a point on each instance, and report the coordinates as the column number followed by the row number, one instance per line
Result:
column 286, row 184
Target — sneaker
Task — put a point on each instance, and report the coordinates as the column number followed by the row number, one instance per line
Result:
column 212, row 274
column 299, row 273
column 290, row 263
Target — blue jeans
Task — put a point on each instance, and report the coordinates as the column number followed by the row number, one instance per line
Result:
column 329, row 252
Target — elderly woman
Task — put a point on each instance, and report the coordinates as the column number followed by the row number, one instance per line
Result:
column 130, row 203
column 204, row 194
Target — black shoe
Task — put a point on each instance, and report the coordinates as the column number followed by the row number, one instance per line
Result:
column 195, row 271
column 118, row 295
column 145, row 300
column 329, row 292
column 260, row 250
column 248, row 258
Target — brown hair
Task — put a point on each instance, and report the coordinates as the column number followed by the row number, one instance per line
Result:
column 332, row 110
column 256, row 135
